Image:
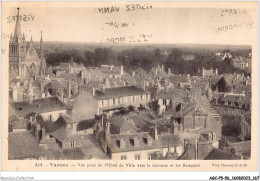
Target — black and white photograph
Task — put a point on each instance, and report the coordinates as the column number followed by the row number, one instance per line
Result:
column 128, row 81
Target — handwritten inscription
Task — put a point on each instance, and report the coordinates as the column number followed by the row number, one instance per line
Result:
column 229, row 12
column 5, row 36
column 248, row 25
column 108, row 9
column 117, row 24
column 3, row 50
column 25, row 17
column 133, row 7
column 128, row 7
column 131, row 39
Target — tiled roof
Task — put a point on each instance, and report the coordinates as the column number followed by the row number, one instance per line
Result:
column 235, row 98
column 48, row 125
column 67, row 118
column 119, row 92
column 60, row 134
column 218, row 154
column 55, row 85
column 189, row 153
column 23, row 145
column 161, row 142
column 20, row 124
column 38, row 106
column 175, row 79
column 121, row 126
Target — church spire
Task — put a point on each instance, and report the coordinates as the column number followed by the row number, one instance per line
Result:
column 41, row 43
column 17, row 30
column 41, row 48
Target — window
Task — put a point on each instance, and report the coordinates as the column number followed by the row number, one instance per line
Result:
column 214, row 136
column 72, row 144
column 164, row 101
column 133, row 98
column 137, row 156
column 114, row 101
column 150, row 156
column 123, row 157
column 102, row 103
column 210, row 137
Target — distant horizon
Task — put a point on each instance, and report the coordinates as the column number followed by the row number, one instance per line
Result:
column 134, row 44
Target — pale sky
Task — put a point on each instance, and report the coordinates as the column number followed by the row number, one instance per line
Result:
column 163, row 25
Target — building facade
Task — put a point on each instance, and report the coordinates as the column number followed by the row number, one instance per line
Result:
column 25, row 61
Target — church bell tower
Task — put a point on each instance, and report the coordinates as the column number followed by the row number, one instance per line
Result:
column 17, row 49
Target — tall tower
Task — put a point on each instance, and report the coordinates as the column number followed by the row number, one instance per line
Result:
column 17, row 50
column 41, row 55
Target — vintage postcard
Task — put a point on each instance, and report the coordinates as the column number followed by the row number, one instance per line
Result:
column 129, row 86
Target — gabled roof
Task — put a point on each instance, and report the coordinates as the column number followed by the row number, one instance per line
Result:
column 20, row 124
column 60, row 134
column 161, row 142
column 38, row 106
column 119, row 92
column 23, row 145
column 175, row 79
column 121, row 126
column 218, row 154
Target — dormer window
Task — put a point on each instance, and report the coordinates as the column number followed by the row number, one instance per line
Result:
column 210, row 137
column 214, row 136
column 20, row 108
column 148, row 140
column 120, row 143
column 135, row 142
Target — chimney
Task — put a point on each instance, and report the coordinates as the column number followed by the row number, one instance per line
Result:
column 181, row 110
column 93, row 91
column 43, row 135
column 69, row 89
column 122, row 70
column 107, row 127
column 37, row 132
column 74, row 128
column 144, row 84
column 162, row 67
column 31, row 99
column 102, row 121
column 133, row 73
column 169, row 71
column 188, row 77
column 216, row 72
column 155, row 132
column 43, row 94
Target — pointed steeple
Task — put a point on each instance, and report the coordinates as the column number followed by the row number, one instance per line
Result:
column 41, row 43
column 41, row 48
column 17, row 30
column 31, row 43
